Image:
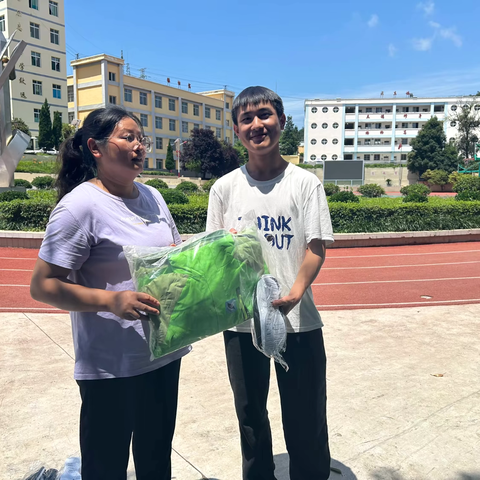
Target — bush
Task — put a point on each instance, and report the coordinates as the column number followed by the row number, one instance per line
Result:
column 155, row 183
column 467, row 183
column 173, row 196
column 146, row 173
column 468, row 196
column 371, row 190
column 187, row 187
column 415, row 189
column 43, row 183
column 37, row 166
column 345, row 197
column 330, row 189
column 48, row 195
column 208, row 185
column 25, row 214
column 415, row 198
column 189, row 218
column 22, row 183
column 10, row 195
column 436, row 177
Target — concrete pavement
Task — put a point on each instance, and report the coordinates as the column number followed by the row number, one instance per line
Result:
column 403, row 388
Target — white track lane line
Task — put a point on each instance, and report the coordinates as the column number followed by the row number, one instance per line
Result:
column 9, row 285
column 393, row 281
column 326, row 306
column 21, row 309
column 15, row 270
column 397, row 266
column 402, row 254
column 15, row 258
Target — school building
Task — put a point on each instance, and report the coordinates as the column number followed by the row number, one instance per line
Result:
column 373, row 130
column 167, row 113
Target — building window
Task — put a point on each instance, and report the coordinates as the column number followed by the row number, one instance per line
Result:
column 335, row 141
column 159, row 164
column 185, row 127
column 218, row 115
column 378, row 110
column 53, row 8
column 207, row 112
column 334, row 157
column 416, row 109
column 112, row 99
column 377, row 141
column 228, row 123
column 368, row 125
column 368, row 110
column 404, row 141
column 2, row 23
column 325, row 110
column 348, row 156
column 37, row 87
column 335, row 125
column 313, row 125
column 348, row 141
column 158, row 123
column 57, row 91
column 366, row 157
column 313, row 157
column 54, row 36
column 36, row 59
column 144, row 119
column 349, row 109
column 403, row 157
column 227, row 140
column 196, row 110
column 171, row 104
column 33, row 4
column 378, row 126
column 70, row 95
column 323, row 157
column 438, row 108
column 218, row 132
column 359, row 142
column 414, row 125
column 171, row 125
column 36, row 115
column 376, row 156
column 314, row 110
column 184, row 107
column 55, row 64
column 335, row 109
column 405, row 109
column 112, row 77
column 367, row 141
column 196, row 126
column 145, row 163
column 313, row 141
column 386, row 142
column 387, row 127
column 324, row 125
column 158, row 101
column 34, row 30
column 453, row 124
column 404, row 125
column 159, row 143
column 477, row 108
column 128, row 95
column 71, row 116
column 143, row 98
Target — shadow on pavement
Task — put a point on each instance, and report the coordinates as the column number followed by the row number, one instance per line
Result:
column 391, row 474
column 281, row 469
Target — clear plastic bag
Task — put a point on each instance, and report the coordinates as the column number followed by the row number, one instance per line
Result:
column 204, row 286
column 269, row 330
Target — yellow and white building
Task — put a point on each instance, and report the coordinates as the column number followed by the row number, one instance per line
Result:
column 167, row 113
column 41, row 72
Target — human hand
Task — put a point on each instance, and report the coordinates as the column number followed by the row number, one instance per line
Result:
column 131, row 305
column 286, row 303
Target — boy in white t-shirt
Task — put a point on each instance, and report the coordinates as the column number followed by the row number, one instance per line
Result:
column 292, row 211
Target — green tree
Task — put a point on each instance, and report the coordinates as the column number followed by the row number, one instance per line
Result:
column 242, row 152
column 170, row 161
column 468, row 125
column 430, row 150
column 436, row 177
column 45, row 135
column 289, row 141
column 19, row 124
column 301, row 135
column 57, row 129
column 67, row 131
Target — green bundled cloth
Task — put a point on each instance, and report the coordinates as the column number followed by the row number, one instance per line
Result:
column 204, row 286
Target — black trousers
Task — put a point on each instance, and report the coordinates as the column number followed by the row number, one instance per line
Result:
column 303, row 401
column 113, row 410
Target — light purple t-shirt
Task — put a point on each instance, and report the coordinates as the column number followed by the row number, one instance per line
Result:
column 86, row 233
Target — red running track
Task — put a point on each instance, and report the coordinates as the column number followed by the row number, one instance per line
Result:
column 374, row 277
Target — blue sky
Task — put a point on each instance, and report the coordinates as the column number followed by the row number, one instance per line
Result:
column 317, row 49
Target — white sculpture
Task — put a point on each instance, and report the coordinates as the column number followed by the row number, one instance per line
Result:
column 11, row 151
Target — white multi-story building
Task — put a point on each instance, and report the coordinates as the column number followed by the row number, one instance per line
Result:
column 41, row 72
column 373, row 130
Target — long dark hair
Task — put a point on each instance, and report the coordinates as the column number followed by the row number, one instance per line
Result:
column 77, row 164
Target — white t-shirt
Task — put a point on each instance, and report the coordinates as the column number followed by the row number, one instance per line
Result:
column 291, row 210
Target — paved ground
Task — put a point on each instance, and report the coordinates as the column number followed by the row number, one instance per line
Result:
column 403, row 386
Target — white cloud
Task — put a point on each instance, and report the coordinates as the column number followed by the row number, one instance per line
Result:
column 434, row 24
column 447, row 33
column 392, row 50
column 428, row 7
column 373, row 22
column 422, row 44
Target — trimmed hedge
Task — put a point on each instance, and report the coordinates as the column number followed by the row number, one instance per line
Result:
column 10, row 195
column 19, row 182
column 371, row 190
column 172, row 196
column 156, row 183
column 187, row 187
column 330, row 189
column 345, row 196
column 30, row 215
column 189, row 218
column 43, row 183
column 208, row 185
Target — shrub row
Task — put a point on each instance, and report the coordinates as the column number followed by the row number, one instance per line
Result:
column 346, row 217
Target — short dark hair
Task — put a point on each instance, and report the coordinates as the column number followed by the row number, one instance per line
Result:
column 255, row 96
column 77, row 164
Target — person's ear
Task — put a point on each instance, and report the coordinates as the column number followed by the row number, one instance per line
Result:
column 94, row 148
column 283, row 120
column 235, row 129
